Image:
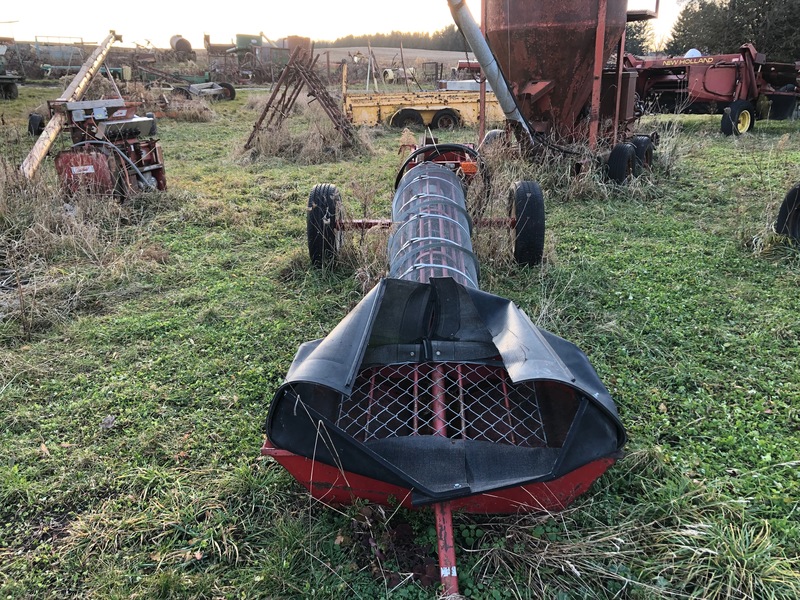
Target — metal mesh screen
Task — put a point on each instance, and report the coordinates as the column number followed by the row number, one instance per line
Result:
column 457, row 400
column 432, row 231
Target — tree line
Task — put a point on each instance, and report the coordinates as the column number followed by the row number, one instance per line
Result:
column 448, row 38
column 711, row 26
column 720, row 27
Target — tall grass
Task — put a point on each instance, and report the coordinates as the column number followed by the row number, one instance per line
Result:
column 306, row 136
column 61, row 254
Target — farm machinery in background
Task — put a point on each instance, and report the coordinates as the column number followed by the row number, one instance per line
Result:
column 185, row 86
column 546, row 63
column 8, row 79
column 112, row 151
column 743, row 86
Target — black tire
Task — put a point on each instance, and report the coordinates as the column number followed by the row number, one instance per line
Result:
column 323, row 222
column 526, row 204
column 622, row 163
column 407, row 117
column 788, row 222
column 154, row 127
column 644, row 152
column 740, row 119
column 9, row 91
column 229, row 93
column 35, row 125
column 446, row 118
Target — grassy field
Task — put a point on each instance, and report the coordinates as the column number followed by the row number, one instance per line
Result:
column 140, row 346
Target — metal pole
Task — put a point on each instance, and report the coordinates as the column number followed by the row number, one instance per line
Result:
column 73, row 93
column 276, row 88
column 618, row 98
column 466, row 23
column 403, row 62
column 482, row 92
column 446, row 547
column 599, row 41
column 445, row 540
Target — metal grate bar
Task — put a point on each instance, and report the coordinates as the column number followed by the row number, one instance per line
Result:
column 472, row 401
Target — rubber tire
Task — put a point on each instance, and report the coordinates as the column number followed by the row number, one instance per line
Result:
column 9, row 91
column 644, row 152
column 788, row 222
column 35, row 124
column 323, row 219
column 622, row 163
column 729, row 123
column 446, row 118
column 230, row 92
column 407, row 117
column 526, row 204
column 154, row 128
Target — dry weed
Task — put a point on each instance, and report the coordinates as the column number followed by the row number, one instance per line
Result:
column 307, row 138
column 61, row 254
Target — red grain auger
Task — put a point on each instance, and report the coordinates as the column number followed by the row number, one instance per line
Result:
column 434, row 393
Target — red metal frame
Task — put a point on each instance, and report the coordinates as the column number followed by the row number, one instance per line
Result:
column 332, row 486
column 718, row 78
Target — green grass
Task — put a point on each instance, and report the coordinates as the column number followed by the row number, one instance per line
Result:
column 131, row 413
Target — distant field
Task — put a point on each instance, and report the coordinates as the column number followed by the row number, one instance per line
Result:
column 391, row 56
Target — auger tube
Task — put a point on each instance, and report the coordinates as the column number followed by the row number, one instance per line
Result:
column 472, row 32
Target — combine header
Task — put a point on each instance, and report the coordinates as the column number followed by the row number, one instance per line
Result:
column 434, row 393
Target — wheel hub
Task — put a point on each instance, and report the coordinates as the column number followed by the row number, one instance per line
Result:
column 743, row 123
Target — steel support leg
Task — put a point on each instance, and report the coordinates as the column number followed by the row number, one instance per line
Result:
column 447, row 548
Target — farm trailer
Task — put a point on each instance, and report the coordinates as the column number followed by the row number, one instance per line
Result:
column 8, row 79
column 439, row 110
column 735, row 84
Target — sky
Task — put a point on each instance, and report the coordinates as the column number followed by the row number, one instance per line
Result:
column 317, row 19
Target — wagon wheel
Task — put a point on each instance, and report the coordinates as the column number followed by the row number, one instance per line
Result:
column 622, row 163
column 788, row 222
column 323, row 221
column 446, row 118
column 407, row 117
column 526, row 205
column 229, row 93
column 644, row 152
column 741, row 118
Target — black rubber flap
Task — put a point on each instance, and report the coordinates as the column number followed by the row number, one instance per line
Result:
column 392, row 320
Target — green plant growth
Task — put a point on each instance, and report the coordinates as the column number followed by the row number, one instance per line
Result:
column 140, row 345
